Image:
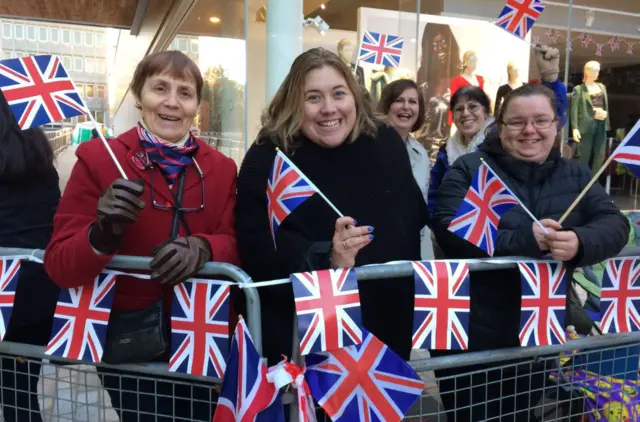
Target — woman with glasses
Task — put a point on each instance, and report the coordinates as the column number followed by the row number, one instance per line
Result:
column 520, row 149
column 471, row 115
column 177, row 207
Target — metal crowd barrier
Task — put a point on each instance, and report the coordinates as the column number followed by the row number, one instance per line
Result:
column 60, row 140
column 64, row 390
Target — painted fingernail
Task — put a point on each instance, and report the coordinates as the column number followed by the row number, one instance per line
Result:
column 370, row 228
column 370, row 237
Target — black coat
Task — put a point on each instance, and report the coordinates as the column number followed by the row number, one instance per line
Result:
column 26, row 213
column 369, row 180
column 547, row 190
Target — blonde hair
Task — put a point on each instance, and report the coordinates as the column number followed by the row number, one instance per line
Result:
column 282, row 119
column 466, row 56
column 590, row 65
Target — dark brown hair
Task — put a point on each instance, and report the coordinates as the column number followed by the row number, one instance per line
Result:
column 528, row 90
column 391, row 92
column 172, row 63
column 281, row 121
column 471, row 93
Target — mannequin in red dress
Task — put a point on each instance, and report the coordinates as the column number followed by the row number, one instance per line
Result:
column 467, row 77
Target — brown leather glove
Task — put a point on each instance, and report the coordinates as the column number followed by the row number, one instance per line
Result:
column 548, row 62
column 118, row 206
column 179, row 259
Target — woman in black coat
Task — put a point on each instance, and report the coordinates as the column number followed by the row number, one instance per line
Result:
column 29, row 195
column 520, row 149
column 321, row 121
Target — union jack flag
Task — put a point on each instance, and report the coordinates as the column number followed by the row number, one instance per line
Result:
column 287, row 188
column 10, row 272
column 328, row 309
column 246, row 395
column 544, row 296
column 628, row 152
column 81, row 318
column 441, row 315
column 486, row 201
column 518, row 16
column 620, row 296
column 365, row 382
column 200, row 328
column 381, row 49
column 39, row 90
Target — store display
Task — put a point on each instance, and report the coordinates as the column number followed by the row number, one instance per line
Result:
column 513, row 77
column 467, row 77
column 590, row 117
column 382, row 77
column 346, row 50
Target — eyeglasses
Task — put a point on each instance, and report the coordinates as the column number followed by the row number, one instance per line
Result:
column 538, row 123
column 172, row 207
column 473, row 108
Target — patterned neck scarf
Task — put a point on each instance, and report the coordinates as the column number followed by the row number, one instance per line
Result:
column 170, row 158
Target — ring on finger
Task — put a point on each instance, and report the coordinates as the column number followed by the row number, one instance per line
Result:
column 344, row 245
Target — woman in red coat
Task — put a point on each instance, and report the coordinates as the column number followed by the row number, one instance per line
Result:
column 177, row 207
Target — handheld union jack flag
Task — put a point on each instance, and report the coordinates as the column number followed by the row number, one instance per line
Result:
column 620, row 296
column 441, row 315
column 486, row 201
column 9, row 273
column 544, row 297
column 381, row 49
column 39, row 90
column 80, row 320
column 628, row 152
column 246, row 395
column 328, row 309
column 287, row 188
column 518, row 16
column 366, row 382
column 200, row 328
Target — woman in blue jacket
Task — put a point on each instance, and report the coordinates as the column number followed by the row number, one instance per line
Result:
column 471, row 115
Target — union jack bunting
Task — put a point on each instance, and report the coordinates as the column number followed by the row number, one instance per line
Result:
column 381, row 49
column 246, row 395
column 620, row 296
column 39, row 90
column 287, row 188
column 441, row 310
column 10, row 271
column 518, row 16
column 628, row 152
column 200, row 328
column 365, row 382
column 544, row 296
column 80, row 320
column 328, row 309
column 486, row 201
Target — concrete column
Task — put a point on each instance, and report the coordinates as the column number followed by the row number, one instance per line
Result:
column 284, row 40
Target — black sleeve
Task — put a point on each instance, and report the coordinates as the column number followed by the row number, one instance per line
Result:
column 259, row 256
column 606, row 231
column 449, row 197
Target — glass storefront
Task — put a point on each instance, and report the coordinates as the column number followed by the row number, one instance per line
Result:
column 244, row 48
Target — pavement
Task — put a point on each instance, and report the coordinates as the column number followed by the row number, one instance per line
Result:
column 64, row 164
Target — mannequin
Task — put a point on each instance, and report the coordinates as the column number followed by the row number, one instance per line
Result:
column 513, row 73
column 467, row 76
column 382, row 78
column 346, row 50
column 590, row 117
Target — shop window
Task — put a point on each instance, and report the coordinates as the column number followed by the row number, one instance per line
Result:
column 100, row 66
column 31, row 33
column 6, row 54
column 99, row 40
column 68, row 63
column 43, row 34
column 88, row 39
column 66, row 36
column 55, row 35
column 90, row 93
column 77, row 37
column 100, row 89
column 77, row 64
column 195, row 46
column 89, row 65
column 80, row 89
column 19, row 31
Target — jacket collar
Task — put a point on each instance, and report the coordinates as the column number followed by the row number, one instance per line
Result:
column 137, row 163
column 523, row 171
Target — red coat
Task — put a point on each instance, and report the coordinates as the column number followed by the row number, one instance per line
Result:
column 460, row 82
column 71, row 261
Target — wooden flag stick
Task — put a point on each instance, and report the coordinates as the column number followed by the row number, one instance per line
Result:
column 284, row 157
column 595, row 177
column 586, row 189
